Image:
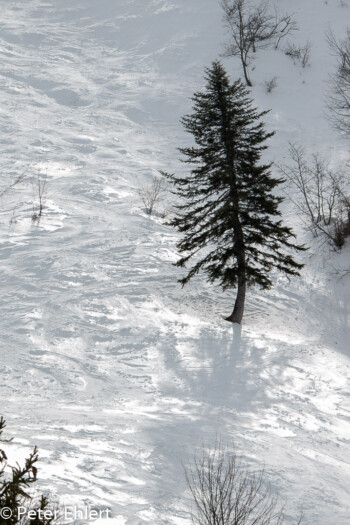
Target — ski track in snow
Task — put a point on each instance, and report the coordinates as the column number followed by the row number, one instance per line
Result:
column 107, row 364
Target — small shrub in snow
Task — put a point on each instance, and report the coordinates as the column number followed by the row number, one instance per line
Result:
column 299, row 54
column 270, row 85
column 153, row 194
column 39, row 194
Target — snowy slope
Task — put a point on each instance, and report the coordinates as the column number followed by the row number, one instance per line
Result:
column 106, row 363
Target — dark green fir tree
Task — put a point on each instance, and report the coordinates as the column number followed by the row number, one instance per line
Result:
column 228, row 209
column 18, row 504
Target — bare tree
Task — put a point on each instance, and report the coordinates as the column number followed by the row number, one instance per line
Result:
column 319, row 195
column 153, row 194
column 339, row 98
column 253, row 27
column 226, row 493
column 342, row 221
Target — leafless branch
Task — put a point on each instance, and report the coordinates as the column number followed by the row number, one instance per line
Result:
column 225, row 492
column 299, row 54
column 252, row 27
column 40, row 191
column 319, row 195
column 339, row 97
column 17, row 181
column 152, row 194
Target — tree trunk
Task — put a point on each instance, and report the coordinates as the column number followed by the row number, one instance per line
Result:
column 237, row 314
column 237, row 230
column 245, row 71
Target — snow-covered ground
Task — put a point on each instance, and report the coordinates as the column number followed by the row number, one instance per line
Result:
column 113, row 370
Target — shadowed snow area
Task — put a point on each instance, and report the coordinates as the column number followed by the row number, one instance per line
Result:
column 112, row 369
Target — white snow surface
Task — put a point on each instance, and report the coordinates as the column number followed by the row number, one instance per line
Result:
column 113, row 370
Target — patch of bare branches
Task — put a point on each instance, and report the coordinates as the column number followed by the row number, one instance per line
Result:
column 320, row 196
column 15, row 183
column 154, row 194
column 39, row 193
column 299, row 54
column 339, row 96
column 270, row 85
column 225, row 492
column 252, row 27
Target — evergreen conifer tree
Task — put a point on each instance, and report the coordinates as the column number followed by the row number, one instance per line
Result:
column 15, row 495
column 229, row 210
